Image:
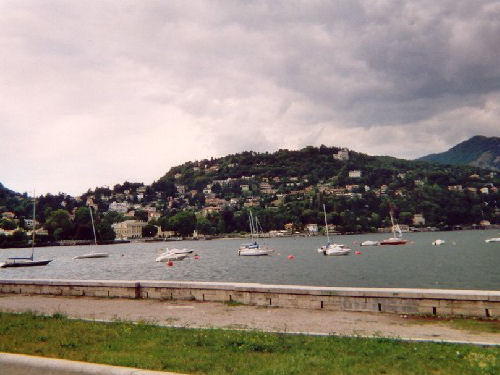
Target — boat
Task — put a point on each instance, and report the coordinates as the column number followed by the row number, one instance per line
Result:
column 173, row 254
column 27, row 261
column 332, row 248
column 370, row 243
column 438, row 242
column 396, row 239
column 92, row 254
column 254, row 248
column 494, row 239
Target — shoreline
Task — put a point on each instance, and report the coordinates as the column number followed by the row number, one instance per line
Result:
column 229, row 236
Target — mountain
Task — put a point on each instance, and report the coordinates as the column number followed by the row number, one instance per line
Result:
column 479, row 151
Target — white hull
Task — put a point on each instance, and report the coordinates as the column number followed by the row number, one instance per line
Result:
column 335, row 249
column 438, row 242
column 495, row 239
column 370, row 243
column 92, row 255
column 255, row 251
column 171, row 255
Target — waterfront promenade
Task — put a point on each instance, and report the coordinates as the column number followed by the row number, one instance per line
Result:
column 195, row 314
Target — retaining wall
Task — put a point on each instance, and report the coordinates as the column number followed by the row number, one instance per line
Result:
column 452, row 302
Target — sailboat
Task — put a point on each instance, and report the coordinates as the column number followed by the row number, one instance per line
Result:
column 397, row 238
column 253, row 248
column 27, row 261
column 93, row 254
column 332, row 248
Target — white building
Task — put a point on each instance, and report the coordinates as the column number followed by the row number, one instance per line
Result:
column 121, row 207
column 355, row 174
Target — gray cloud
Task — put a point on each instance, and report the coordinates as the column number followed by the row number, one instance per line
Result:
column 99, row 92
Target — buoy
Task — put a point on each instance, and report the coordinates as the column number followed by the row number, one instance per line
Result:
column 357, row 252
column 170, row 263
column 291, row 256
column 196, row 256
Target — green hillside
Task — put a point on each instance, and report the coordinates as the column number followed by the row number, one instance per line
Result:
column 478, row 151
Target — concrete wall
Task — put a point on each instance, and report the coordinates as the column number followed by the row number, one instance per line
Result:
column 389, row 300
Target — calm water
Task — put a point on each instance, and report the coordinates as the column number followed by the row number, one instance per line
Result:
column 464, row 262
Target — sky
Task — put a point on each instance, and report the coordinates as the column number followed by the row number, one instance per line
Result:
column 96, row 93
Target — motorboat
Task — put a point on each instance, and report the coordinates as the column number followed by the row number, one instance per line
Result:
column 494, row 239
column 397, row 236
column 171, row 255
column 92, row 254
column 438, row 242
column 332, row 248
column 370, row 243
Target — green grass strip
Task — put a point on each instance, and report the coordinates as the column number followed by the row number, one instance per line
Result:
column 215, row 351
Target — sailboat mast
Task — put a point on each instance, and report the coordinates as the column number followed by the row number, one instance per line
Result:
column 392, row 222
column 326, row 224
column 93, row 227
column 33, row 227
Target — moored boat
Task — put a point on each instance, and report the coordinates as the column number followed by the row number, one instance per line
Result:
column 332, row 248
column 370, row 243
column 397, row 236
column 171, row 255
column 494, row 239
column 92, row 255
column 438, row 242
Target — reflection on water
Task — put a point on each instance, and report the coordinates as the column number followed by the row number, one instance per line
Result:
column 464, row 262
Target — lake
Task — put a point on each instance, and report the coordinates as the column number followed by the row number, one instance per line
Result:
column 464, row 262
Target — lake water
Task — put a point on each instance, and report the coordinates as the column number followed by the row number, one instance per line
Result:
column 464, row 262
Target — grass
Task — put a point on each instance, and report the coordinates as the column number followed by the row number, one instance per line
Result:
column 213, row 351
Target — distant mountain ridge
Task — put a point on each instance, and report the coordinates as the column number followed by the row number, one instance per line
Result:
column 478, row 151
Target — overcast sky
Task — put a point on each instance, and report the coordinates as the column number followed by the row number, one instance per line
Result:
column 95, row 93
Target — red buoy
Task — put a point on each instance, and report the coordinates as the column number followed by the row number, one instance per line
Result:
column 196, row 257
column 170, row 263
column 357, row 252
column 291, row 256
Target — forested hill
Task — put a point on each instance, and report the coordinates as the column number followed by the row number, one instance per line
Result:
column 478, row 151
column 313, row 166
column 285, row 189
column 310, row 163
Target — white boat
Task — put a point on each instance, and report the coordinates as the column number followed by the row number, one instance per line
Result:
column 27, row 261
column 335, row 249
column 494, row 239
column 92, row 254
column 171, row 255
column 254, row 248
column 397, row 235
column 438, row 242
column 370, row 243
column 255, row 251
column 332, row 248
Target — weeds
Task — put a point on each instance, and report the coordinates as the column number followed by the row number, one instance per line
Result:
column 215, row 351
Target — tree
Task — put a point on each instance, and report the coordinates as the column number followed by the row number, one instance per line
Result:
column 105, row 231
column 141, row 215
column 203, row 225
column 149, row 231
column 183, row 222
column 59, row 219
column 7, row 224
